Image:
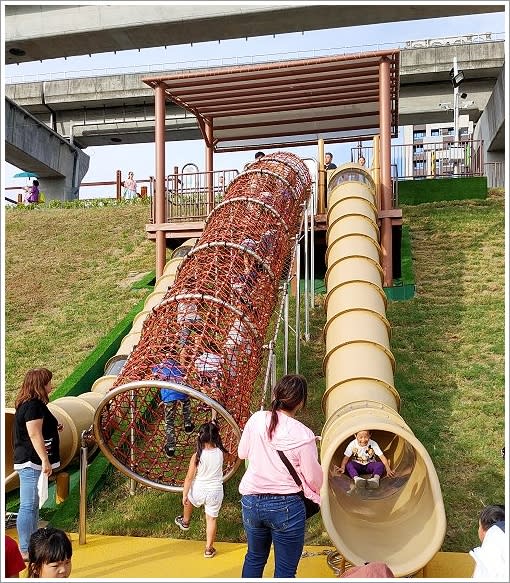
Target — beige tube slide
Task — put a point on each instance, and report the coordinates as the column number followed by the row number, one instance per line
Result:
column 402, row 523
column 76, row 414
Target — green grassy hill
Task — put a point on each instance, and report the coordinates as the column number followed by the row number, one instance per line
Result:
column 449, row 345
column 67, row 275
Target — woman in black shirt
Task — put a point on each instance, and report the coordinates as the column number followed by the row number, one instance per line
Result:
column 36, row 448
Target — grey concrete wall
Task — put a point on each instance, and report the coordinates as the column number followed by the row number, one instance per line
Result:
column 124, row 103
column 423, row 65
column 32, row 146
column 491, row 129
column 46, row 32
column 491, row 125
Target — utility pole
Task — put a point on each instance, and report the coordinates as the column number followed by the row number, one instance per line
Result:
column 457, row 78
column 455, row 102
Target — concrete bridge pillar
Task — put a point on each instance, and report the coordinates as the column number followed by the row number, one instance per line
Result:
column 32, row 146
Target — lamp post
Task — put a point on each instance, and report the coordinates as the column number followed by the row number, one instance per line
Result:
column 455, row 102
column 457, row 78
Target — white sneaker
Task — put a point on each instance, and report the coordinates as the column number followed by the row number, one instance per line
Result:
column 373, row 482
column 359, row 482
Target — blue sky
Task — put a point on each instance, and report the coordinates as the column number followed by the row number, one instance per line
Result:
column 139, row 158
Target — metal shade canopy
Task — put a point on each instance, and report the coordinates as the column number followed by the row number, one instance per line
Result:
column 287, row 103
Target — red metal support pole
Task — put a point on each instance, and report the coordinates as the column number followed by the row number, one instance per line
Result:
column 386, row 195
column 209, row 165
column 160, row 178
column 118, row 185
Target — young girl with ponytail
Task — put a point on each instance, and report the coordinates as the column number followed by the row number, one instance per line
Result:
column 203, row 485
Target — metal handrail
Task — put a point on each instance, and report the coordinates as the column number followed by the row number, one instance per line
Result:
column 188, row 194
column 431, row 160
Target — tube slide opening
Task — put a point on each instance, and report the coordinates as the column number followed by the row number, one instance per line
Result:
column 401, row 456
column 115, row 364
column 402, row 522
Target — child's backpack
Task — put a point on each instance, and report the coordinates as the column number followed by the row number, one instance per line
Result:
column 42, row 197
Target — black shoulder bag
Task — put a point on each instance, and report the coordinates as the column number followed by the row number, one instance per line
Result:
column 311, row 507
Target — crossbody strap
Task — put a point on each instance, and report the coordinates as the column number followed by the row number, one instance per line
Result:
column 290, row 467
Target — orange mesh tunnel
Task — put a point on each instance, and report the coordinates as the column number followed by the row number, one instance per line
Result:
column 205, row 339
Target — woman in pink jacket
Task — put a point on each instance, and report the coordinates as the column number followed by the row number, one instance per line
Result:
column 273, row 511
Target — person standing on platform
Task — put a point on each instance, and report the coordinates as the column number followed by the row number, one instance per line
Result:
column 328, row 161
column 328, row 165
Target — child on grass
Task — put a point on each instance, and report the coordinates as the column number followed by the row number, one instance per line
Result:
column 203, row 484
column 359, row 458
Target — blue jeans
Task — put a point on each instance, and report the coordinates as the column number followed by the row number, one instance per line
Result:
column 277, row 519
column 28, row 514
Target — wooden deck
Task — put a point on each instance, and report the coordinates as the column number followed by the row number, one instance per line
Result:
column 181, row 229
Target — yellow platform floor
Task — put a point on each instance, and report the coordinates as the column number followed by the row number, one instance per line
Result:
column 128, row 557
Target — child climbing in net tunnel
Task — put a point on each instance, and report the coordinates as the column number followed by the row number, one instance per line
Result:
column 360, row 458
column 170, row 370
column 188, row 317
column 244, row 280
column 237, row 345
column 208, row 365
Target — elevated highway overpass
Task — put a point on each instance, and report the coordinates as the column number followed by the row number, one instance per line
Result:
column 38, row 32
column 31, row 144
column 104, row 110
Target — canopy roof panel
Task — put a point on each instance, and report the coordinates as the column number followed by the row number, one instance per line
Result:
column 288, row 103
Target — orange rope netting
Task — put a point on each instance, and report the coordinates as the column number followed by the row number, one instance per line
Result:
column 209, row 331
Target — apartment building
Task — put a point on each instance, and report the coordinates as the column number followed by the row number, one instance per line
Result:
column 432, row 150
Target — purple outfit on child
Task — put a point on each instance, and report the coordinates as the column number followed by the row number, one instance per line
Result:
column 34, row 194
column 362, row 459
